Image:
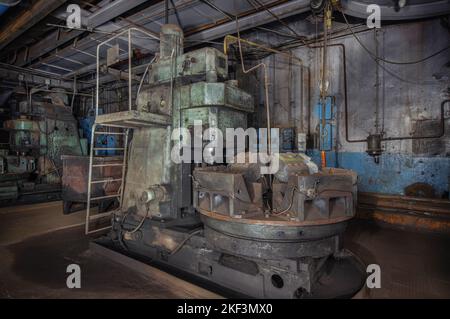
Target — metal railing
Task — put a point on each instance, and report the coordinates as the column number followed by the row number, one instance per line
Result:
column 128, row 33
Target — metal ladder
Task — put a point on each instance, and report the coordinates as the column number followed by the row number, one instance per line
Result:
column 92, row 166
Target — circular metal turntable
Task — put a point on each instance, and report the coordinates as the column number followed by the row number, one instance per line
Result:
column 272, row 237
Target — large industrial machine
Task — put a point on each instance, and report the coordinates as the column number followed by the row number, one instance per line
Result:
column 39, row 133
column 259, row 235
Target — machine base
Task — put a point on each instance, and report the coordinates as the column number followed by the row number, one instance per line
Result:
column 40, row 194
column 337, row 276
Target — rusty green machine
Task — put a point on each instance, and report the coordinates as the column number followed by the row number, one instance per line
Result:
column 256, row 235
column 31, row 166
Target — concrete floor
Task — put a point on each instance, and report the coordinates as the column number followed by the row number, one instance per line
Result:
column 37, row 243
column 413, row 265
column 18, row 223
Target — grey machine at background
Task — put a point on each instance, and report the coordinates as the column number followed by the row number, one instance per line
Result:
column 41, row 131
column 255, row 235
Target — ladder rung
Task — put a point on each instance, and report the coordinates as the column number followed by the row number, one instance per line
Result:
column 105, row 197
column 106, row 165
column 98, row 216
column 109, row 149
column 107, row 181
column 98, row 230
column 105, row 156
column 109, row 133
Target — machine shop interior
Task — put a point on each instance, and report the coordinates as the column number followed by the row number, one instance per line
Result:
column 208, row 149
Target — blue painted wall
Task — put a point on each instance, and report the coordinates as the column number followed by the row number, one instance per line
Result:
column 393, row 173
column 109, row 141
column 3, row 9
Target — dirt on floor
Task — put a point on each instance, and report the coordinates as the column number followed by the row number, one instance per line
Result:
column 36, row 268
column 38, row 242
column 413, row 264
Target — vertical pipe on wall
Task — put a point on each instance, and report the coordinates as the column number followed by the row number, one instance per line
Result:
column 166, row 11
column 129, row 71
column 377, row 84
column 302, row 100
column 97, row 81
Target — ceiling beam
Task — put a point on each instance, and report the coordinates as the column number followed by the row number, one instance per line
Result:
column 259, row 18
column 152, row 13
column 18, row 75
column 111, row 11
column 419, row 10
column 28, row 19
column 89, row 20
column 250, row 21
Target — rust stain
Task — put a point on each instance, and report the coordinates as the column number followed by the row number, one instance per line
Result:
column 273, row 220
column 163, row 240
column 418, row 223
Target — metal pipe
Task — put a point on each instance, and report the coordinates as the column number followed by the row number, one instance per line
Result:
column 91, row 160
column 130, row 56
column 106, row 42
column 54, row 91
column 309, row 100
column 57, row 67
column 347, row 138
column 439, row 135
column 323, row 156
column 166, row 11
column 230, row 39
column 10, row 4
column 176, row 13
column 344, row 66
column 145, row 73
column 74, row 92
column 97, row 80
column 124, row 166
column 266, row 87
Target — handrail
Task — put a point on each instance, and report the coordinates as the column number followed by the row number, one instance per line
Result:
column 128, row 31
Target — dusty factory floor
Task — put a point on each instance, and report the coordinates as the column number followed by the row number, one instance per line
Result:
column 413, row 265
column 34, row 255
column 37, row 243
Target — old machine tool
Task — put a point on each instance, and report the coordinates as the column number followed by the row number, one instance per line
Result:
column 276, row 236
column 40, row 132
